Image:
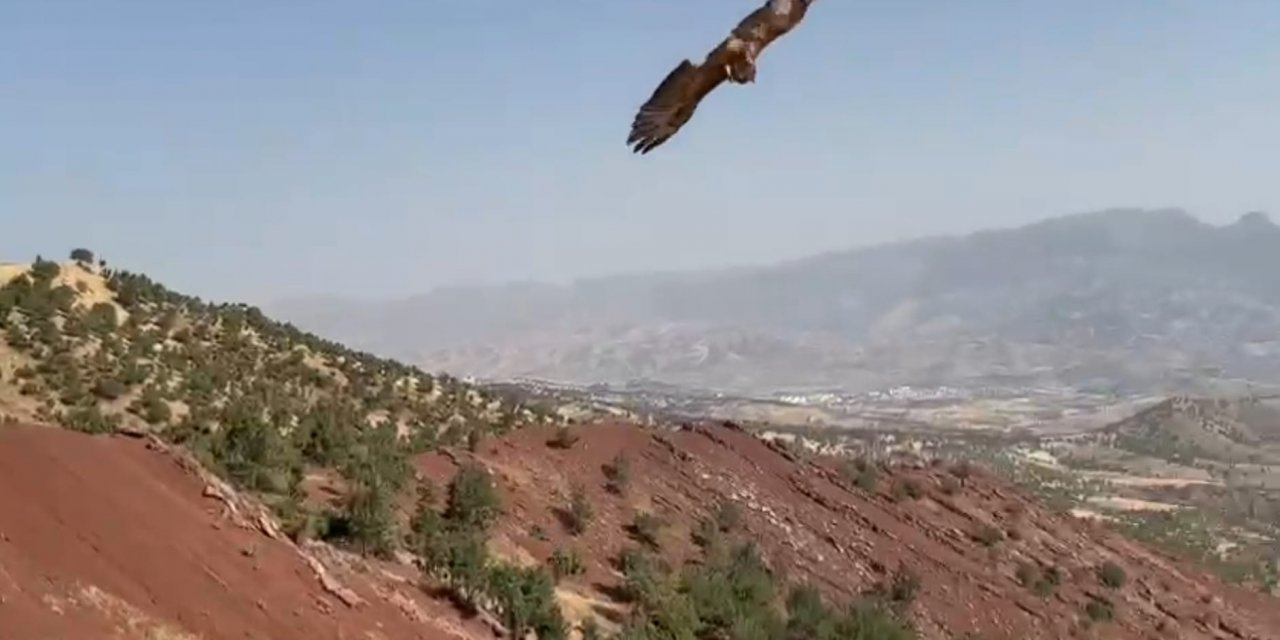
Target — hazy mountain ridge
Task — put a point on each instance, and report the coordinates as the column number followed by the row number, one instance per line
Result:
column 1121, row 298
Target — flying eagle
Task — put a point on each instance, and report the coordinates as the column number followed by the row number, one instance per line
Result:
column 734, row 60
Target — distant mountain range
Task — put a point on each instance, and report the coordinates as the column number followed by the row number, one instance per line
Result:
column 1124, row 300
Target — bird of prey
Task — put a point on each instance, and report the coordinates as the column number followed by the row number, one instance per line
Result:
column 733, row 60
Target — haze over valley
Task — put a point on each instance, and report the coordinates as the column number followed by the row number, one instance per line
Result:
column 1119, row 301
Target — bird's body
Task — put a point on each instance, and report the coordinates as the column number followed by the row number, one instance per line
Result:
column 733, row 60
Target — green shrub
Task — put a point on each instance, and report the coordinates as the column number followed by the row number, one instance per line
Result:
column 962, row 470
column 899, row 591
column 617, row 473
column 988, row 535
column 646, row 528
column 579, row 514
column 1100, row 610
column 109, row 388
column 89, row 419
column 906, row 489
column 1111, row 575
column 526, row 599
column 473, row 500
column 727, row 515
column 370, row 515
column 706, row 533
column 1038, row 581
column 905, row 586
column 862, row 473
column 565, row 564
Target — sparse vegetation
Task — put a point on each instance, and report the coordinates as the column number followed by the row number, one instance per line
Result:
column 579, row 514
column 988, row 535
column 646, row 528
column 564, row 564
column 525, row 598
column 1100, row 610
column 258, row 401
column 1042, row 582
column 962, row 471
column 732, row 595
column 727, row 515
column 713, row 528
column 263, row 405
column 706, row 534
column 863, row 473
column 451, row 550
column 473, row 500
column 900, row 591
column 617, row 473
column 1111, row 575
column 907, row 489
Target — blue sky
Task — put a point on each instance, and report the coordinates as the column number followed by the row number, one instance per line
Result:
column 250, row 149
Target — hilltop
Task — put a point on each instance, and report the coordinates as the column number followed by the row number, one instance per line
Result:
column 102, row 350
column 1130, row 301
column 235, row 476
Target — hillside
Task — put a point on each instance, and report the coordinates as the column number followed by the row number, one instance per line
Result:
column 101, row 350
column 1124, row 300
column 1229, row 432
column 1231, row 440
column 108, row 535
column 109, row 538
column 1199, row 475
column 236, row 477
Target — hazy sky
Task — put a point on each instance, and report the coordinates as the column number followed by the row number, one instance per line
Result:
column 253, row 148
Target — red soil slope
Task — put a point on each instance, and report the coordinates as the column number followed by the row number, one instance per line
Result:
column 816, row 528
column 109, row 537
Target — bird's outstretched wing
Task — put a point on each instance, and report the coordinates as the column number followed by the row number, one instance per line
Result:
column 673, row 103
column 678, row 95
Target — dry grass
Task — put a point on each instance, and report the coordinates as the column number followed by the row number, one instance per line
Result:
column 578, row 608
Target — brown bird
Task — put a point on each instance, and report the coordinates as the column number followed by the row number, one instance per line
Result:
column 734, row 60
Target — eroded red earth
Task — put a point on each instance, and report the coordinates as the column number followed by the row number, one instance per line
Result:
column 109, row 537
column 104, row 537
